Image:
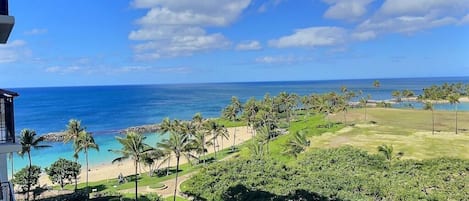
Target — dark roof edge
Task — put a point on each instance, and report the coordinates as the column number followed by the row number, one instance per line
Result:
column 10, row 93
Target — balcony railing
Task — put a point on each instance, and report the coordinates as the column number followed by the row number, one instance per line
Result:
column 7, row 192
column 3, row 7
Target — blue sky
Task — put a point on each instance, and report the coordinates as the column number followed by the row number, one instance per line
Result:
column 108, row 42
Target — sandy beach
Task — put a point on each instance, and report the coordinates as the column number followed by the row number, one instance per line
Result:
column 111, row 171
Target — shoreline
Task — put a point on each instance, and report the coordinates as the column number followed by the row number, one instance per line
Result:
column 107, row 170
column 411, row 99
column 152, row 128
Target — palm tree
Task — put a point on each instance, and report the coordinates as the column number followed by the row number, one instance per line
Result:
column 151, row 158
column 132, row 147
column 397, row 95
column 215, row 130
column 343, row 106
column 251, row 108
column 297, row 144
column 263, row 138
column 256, row 148
column 200, row 132
column 223, row 133
column 29, row 140
column 407, row 93
column 376, row 84
column 387, row 151
column 236, row 105
column 198, row 145
column 230, row 113
column 74, row 129
column 179, row 144
column 306, row 101
column 85, row 142
column 454, row 100
column 165, row 126
column 429, row 106
column 287, row 102
column 364, row 102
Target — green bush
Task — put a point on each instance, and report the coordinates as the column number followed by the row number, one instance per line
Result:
column 344, row 173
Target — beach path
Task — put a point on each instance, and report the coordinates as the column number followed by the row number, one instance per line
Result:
column 111, row 171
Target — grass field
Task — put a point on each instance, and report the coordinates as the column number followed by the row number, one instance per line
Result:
column 409, row 131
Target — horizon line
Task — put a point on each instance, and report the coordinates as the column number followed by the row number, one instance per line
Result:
column 228, row 82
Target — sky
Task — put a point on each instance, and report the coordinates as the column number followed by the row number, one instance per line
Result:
column 109, row 42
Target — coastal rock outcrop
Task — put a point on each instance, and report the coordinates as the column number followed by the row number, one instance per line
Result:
column 150, row 128
column 54, row 137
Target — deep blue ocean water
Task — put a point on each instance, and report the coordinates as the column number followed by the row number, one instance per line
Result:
column 106, row 109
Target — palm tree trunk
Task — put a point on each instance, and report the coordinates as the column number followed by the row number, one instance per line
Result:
column 234, row 140
column 221, row 144
column 87, row 170
column 214, row 148
column 29, row 175
column 136, row 181
column 76, row 178
column 203, row 147
column 177, row 173
column 169, row 162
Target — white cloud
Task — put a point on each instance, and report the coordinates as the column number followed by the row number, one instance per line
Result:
column 346, row 9
column 365, row 35
column 249, row 45
column 175, row 28
column 405, row 16
column 164, row 16
column 103, row 69
column 14, row 51
column 64, row 69
column 423, row 7
column 179, row 45
column 311, row 37
column 35, row 31
column 281, row 59
column 276, row 59
column 465, row 19
column 180, row 70
column 268, row 5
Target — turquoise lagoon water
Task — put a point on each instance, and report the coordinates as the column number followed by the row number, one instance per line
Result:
column 106, row 109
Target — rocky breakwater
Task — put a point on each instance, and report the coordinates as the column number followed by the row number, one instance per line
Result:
column 54, row 137
column 150, row 128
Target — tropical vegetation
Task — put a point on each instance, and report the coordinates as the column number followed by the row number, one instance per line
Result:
column 297, row 151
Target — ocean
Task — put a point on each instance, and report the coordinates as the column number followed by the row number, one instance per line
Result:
column 104, row 110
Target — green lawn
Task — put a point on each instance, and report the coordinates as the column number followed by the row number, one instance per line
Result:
column 409, row 131
column 171, row 198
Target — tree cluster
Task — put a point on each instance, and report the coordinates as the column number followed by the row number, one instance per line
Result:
column 63, row 171
column 344, row 173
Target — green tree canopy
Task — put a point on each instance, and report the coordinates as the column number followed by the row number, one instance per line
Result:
column 27, row 177
column 63, row 171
